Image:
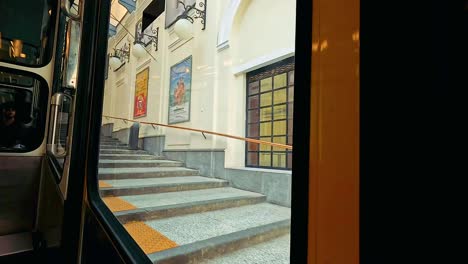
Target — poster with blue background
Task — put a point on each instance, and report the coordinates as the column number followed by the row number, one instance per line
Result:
column 180, row 88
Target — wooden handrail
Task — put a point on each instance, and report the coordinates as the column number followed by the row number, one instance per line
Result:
column 208, row 132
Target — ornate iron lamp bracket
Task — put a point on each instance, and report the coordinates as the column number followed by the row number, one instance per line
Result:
column 199, row 13
column 122, row 53
column 153, row 38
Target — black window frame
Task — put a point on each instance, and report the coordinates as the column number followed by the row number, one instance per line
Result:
column 270, row 71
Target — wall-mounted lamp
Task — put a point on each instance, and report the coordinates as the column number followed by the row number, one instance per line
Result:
column 119, row 57
column 139, row 45
column 184, row 25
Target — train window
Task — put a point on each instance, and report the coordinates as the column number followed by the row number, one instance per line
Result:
column 23, row 106
column 26, row 35
column 196, row 141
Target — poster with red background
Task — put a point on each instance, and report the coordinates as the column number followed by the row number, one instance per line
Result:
column 141, row 93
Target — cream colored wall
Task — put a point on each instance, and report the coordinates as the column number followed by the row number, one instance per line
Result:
column 262, row 27
column 218, row 96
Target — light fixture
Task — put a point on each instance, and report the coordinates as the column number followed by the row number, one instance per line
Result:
column 183, row 28
column 114, row 62
column 119, row 57
column 138, row 50
column 139, row 44
column 184, row 23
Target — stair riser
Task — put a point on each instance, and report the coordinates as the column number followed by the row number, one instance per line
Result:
column 146, row 175
column 117, row 143
column 109, row 141
column 122, row 151
column 211, row 248
column 107, row 157
column 161, row 189
column 149, row 214
column 140, row 165
column 113, row 145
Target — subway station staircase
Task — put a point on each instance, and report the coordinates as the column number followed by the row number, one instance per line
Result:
column 178, row 216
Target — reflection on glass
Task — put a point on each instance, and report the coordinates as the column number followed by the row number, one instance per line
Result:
column 279, row 112
column 265, row 114
column 253, row 116
column 23, row 102
column 280, row 96
column 280, row 81
column 265, row 129
column 265, row 99
column 265, row 84
column 253, row 88
column 26, row 35
column 279, row 160
column 265, row 147
column 280, row 140
column 265, row 159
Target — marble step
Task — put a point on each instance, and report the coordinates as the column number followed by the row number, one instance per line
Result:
column 218, row 234
column 123, row 151
column 109, row 140
column 138, row 163
column 164, row 205
column 139, row 173
column 160, row 185
column 108, row 144
column 129, row 156
column 275, row 251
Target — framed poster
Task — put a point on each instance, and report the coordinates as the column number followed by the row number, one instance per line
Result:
column 180, row 88
column 141, row 93
column 175, row 9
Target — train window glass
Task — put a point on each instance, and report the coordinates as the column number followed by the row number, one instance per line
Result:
column 26, row 35
column 23, row 107
column 196, row 136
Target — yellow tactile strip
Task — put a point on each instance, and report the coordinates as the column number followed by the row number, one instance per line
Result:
column 147, row 238
column 103, row 184
column 116, row 204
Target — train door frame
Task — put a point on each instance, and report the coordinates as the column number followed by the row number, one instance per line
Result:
column 93, row 234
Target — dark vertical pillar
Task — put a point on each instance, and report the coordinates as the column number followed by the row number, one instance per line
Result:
column 133, row 136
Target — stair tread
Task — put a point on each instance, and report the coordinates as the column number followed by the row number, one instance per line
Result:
column 190, row 228
column 126, row 154
column 160, row 181
column 161, row 197
column 183, row 197
column 275, row 251
column 143, row 170
column 108, row 152
column 104, row 161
